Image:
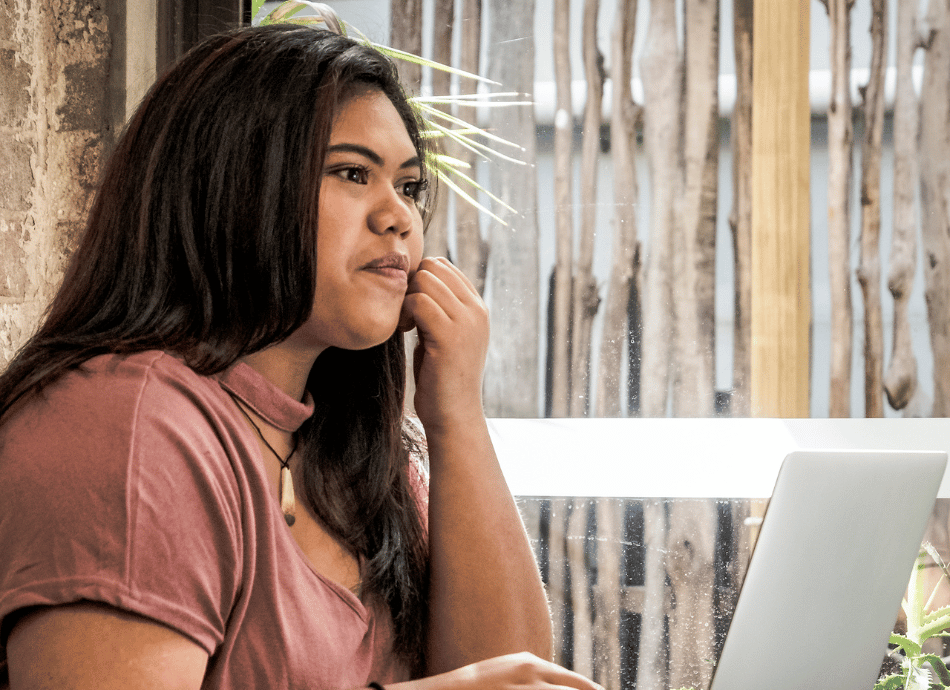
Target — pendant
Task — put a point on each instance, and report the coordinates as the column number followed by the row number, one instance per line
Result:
column 287, row 502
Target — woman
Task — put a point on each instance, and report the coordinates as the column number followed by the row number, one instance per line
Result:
column 205, row 475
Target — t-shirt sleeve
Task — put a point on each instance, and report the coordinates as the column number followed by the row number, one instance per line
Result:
column 117, row 488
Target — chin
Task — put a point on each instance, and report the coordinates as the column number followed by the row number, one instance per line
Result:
column 365, row 341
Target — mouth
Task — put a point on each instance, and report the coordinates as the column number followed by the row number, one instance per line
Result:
column 393, row 265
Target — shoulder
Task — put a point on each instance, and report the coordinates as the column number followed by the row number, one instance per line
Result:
column 120, row 435
column 120, row 486
column 108, row 381
column 105, row 407
column 115, row 424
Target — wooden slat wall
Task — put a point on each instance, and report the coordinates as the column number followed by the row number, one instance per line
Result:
column 630, row 601
column 691, row 556
column 781, row 290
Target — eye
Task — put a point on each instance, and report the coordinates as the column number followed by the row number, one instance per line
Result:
column 351, row 173
column 414, row 189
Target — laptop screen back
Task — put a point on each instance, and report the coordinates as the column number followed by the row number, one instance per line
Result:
column 829, row 569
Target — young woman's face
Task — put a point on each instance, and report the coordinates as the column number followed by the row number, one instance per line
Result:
column 369, row 232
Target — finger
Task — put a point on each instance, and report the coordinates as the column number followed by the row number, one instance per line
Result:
column 406, row 320
column 449, row 290
column 452, row 276
column 438, row 277
column 460, row 276
column 433, row 286
column 425, row 313
column 551, row 675
column 563, row 679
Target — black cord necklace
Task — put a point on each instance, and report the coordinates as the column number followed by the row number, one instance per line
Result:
column 288, row 503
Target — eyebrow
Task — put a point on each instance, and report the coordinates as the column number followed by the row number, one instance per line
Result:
column 374, row 157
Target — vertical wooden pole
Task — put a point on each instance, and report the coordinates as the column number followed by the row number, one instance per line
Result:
column 781, row 278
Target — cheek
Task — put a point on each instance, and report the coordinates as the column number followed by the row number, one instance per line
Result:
column 416, row 245
column 332, row 238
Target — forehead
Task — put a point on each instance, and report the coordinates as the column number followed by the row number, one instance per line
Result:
column 370, row 119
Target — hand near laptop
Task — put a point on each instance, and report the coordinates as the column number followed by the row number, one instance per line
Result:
column 523, row 671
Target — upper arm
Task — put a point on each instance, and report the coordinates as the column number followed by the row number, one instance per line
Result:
column 95, row 646
column 116, row 489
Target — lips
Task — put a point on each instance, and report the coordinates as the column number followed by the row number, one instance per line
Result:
column 393, row 268
column 394, row 261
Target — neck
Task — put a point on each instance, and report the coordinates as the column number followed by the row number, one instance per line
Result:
column 285, row 367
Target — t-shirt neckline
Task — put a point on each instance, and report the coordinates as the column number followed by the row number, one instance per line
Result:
column 268, row 401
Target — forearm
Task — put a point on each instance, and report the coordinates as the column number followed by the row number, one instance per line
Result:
column 486, row 597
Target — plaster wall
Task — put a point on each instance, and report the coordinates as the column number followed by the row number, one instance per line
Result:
column 55, row 125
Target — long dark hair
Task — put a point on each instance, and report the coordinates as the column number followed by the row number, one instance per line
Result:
column 202, row 242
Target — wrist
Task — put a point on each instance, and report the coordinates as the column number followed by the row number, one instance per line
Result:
column 463, row 425
column 458, row 413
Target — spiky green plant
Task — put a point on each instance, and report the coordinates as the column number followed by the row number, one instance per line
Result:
column 918, row 669
column 439, row 125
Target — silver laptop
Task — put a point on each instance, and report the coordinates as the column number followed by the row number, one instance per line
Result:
column 829, row 569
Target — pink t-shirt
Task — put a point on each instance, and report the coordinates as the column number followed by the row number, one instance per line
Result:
column 137, row 483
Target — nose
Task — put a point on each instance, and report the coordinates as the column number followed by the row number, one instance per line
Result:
column 392, row 213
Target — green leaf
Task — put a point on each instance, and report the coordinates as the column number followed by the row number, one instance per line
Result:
column 285, row 11
column 892, row 682
column 935, row 627
column 425, row 62
column 910, row 647
column 464, row 133
column 453, row 163
column 472, row 145
column 467, row 197
column 477, row 100
column 937, row 663
column 458, row 122
column 457, row 172
column 934, row 554
column 942, row 612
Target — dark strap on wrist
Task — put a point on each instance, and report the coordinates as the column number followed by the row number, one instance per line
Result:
column 376, row 686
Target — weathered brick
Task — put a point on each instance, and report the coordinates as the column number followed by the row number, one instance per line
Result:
column 68, row 234
column 84, row 96
column 73, row 166
column 14, row 89
column 16, row 175
column 7, row 18
column 89, row 161
column 80, row 25
column 13, row 276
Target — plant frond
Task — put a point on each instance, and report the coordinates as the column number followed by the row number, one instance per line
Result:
column 909, row 646
column 453, row 163
column 473, row 100
column 464, row 133
column 425, row 62
column 937, row 664
column 458, row 122
column 450, row 183
column 474, row 146
column 458, row 173
column 928, row 630
column 942, row 612
column 891, row 682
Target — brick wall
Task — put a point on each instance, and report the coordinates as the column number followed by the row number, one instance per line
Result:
column 54, row 128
